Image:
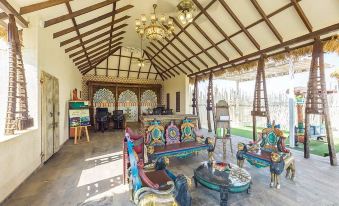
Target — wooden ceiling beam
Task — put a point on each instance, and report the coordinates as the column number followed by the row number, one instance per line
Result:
column 78, row 13
column 297, row 40
column 195, row 41
column 112, row 29
column 94, row 46
column 157, row 48
column 130, row 64
column 167, row 70
column 302, row 15
column 90, row 22
column 177, row 58
column 238, row 32
column 7, row 8
column 93, row 39
column 191, row 51
column 78, row 33
column 237, row 20
column 97, row 49
column 268, row 22
column 125, row 70
column 124, row 56
column 3, row 16
column 92, row 31
column 181, row 31
column 158, row 69
column 181, row 53
column 41, row 6
column 96, row 61
column 97, row 53
column 211, row 20
column 119, row 62
column 210, row 41
column 149, row 70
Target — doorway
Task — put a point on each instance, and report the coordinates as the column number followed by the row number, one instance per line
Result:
column 49, row 116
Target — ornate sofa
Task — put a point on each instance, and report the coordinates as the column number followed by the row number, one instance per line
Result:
column 173, row 142
column 269, row 151
column 153, row 184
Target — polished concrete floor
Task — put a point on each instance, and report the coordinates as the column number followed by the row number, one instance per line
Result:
column 91, row 174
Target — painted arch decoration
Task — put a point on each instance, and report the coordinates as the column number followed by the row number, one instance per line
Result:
column 128, row 102
column 149, row 100
column 103, row 98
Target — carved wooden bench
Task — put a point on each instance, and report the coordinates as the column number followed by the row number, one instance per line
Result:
column 269, row 151
column 173, row 142
column 153, row 184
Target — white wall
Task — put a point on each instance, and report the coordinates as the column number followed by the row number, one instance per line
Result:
column 177, row 84
column 20, row 155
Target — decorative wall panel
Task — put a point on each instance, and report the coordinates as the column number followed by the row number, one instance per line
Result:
column 128, row 102
column 148, row 101
column 103, row 98
column 101, row 78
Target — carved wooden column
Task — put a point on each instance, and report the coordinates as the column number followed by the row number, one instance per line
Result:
column 16, row 118
column 260, row 103
column 195, row 102
column 316, row 101
column 210, row 103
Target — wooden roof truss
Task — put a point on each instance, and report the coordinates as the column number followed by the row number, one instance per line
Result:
column 167, row 57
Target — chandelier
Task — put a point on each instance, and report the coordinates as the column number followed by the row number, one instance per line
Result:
column 186, row 10
column 157, row 29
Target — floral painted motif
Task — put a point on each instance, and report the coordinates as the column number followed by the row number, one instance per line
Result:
column 128, row 102
column 103, row 98
column 148, row 101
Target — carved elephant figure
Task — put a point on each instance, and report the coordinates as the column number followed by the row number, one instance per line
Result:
column 242, row 149
column 276, row 168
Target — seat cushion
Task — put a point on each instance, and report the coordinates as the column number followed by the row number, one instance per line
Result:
column 159, row 177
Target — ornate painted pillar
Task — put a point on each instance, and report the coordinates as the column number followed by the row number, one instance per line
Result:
column 195, row 102
column 210, row 103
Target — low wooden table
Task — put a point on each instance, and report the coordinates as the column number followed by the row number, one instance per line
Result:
column 233, row 180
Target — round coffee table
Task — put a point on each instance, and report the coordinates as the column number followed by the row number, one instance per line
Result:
column 232, row 179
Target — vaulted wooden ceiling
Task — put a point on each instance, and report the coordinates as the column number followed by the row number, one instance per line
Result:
column 97, row 34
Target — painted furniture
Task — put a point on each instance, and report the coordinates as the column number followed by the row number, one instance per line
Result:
column 216, row 175
column 138, row 146
column 176, row 144
column 154, row 184
column 172, row 134
column 269, row 151
column 223, row 126
column 213, row 179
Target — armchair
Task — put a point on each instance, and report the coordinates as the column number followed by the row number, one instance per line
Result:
column 153, row 184
column 102, row 119
column 118, row 119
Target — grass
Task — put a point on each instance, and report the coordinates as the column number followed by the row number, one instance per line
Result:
column 316, row 147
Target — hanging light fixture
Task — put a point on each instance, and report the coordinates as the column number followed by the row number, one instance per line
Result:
column 186, row 10
column 141, row 61
column 157, row 29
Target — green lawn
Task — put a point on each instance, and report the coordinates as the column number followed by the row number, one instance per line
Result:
column 316, row 147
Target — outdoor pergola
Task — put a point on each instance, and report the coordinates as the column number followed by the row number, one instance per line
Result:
column 108, row 54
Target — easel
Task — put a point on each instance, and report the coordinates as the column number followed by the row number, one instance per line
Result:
column 79, row 130
column 223, row 125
